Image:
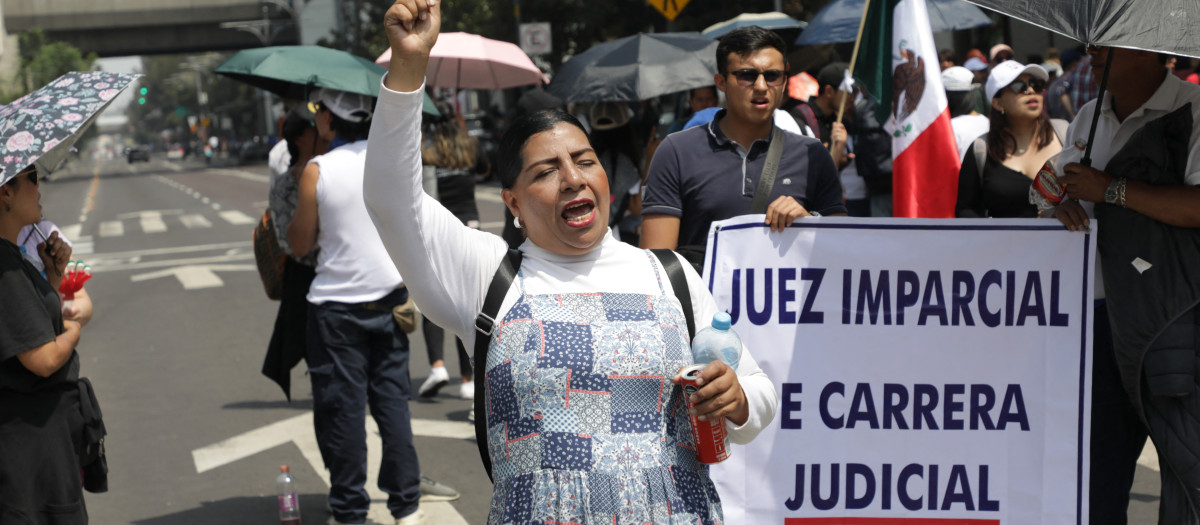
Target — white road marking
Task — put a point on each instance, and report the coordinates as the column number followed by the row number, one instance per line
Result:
column 205, row 200
column 134, row 263
column 151, row 220
column 72, row 232
column 82, row 247
column 112, row 229
column 298, row 430
column 256, row 177
column 195, row 221
column 195, row 277
column 216, row 206
column 236, row 217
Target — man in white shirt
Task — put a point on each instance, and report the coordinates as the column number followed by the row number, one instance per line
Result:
column 1129, row 373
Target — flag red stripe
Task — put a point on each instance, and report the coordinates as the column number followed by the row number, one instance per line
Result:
column 925, row 174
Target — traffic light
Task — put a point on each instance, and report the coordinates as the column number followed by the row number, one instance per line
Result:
column 142, row 98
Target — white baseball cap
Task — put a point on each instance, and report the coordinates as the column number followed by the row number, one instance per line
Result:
column 957, row 78
column 351, row 107
column 1006, row 72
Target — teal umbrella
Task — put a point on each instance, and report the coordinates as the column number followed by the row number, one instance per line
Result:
column 294, row 71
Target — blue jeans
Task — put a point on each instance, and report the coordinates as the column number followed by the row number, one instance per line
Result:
column 357, row 355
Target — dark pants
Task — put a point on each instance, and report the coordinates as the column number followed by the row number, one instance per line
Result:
column 357, row 355
column 435, row 338
column 1118, row 434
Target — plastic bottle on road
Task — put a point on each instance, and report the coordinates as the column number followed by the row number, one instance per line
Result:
column 289, row 504
column 717, row 342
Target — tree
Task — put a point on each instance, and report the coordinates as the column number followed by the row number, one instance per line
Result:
column 41, row 62
column 172, row 97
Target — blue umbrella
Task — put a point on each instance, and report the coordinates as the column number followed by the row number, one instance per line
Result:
column 838, row 21
column 772, row 20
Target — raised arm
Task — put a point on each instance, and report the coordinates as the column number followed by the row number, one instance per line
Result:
column 444, row 264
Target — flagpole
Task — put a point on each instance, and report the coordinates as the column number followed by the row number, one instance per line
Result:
column 862, row 22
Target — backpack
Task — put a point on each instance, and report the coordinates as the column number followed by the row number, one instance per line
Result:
column 485, row 322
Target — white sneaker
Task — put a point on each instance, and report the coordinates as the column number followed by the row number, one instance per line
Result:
column 467, row 390
column 416, row 518
column 438, row 378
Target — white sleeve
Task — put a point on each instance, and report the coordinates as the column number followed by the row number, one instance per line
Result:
column 760, row 391
column 445, row 265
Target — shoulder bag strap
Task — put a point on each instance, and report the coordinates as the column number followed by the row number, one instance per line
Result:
column 485, row 323
column 1060, row 130
column 767, row 181
column 980, row 156
column 670, row 263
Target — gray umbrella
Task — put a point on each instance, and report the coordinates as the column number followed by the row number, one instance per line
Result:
column 1165, row 26
column 837, row 22
column 638, row 67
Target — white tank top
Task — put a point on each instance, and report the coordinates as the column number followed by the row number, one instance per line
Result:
column 352, row 266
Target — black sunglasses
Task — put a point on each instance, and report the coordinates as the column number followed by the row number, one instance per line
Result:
column 748, row 77
column 1019, row 86
column 31, row 174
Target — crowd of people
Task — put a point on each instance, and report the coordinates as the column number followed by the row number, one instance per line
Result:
column 374, row 203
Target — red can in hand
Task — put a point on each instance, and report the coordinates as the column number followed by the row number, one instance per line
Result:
column 710, row 438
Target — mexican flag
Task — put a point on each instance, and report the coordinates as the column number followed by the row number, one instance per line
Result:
column 897, row 65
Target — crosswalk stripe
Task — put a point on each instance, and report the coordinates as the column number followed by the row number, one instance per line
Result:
column 112, row 229
column 153, row 224
column 236, row 217
column 72, row 232
column 195, row 221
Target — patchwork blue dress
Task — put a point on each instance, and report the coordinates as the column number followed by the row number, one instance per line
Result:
column 584, row 424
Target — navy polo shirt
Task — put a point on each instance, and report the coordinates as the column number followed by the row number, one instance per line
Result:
column 701, row 176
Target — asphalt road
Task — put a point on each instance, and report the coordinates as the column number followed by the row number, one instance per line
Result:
column 196, row 433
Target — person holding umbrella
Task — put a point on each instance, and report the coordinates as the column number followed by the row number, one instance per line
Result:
column 357, row 354
column 1148, row 205
column 43, row 414
column 575, row 440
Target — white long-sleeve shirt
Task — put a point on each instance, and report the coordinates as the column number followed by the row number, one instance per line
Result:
column 448, row 267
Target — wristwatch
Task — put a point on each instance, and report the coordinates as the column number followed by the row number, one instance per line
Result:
column 1111, row 195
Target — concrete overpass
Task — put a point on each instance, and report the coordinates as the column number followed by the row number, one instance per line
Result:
column 142, row 27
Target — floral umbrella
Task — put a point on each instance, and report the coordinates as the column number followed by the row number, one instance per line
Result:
column 40, row 128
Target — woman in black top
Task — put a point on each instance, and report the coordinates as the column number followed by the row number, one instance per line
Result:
column 458, row 160
column 40, row 420
column 1020, row 140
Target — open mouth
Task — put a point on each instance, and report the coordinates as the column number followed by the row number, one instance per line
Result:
column 579, row 213
column 760, row 102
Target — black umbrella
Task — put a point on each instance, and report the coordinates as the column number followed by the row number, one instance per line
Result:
column 539, row 99
column 1166, row 26
column 638, row 67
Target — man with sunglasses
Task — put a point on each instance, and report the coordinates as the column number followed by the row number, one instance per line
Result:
column 1142, row 188
column 711, row 173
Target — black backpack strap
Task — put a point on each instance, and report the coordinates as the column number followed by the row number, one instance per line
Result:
column 670, row 263
column 485, row 324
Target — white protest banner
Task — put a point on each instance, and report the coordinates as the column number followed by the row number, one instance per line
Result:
column 930, row 371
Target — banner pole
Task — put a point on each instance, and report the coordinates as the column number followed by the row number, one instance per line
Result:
column 862, row 22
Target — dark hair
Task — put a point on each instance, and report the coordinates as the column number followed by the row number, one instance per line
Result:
column 297, row 121
column 509, row 161
column 692, row 92
column 349, row 131
column 962, row 102
column 831, row 75
column 947, row 55
column 745, row 41
column 1000, row 140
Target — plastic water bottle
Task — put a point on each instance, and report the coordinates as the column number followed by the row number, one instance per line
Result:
column 289, row 505
column 718, row 341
